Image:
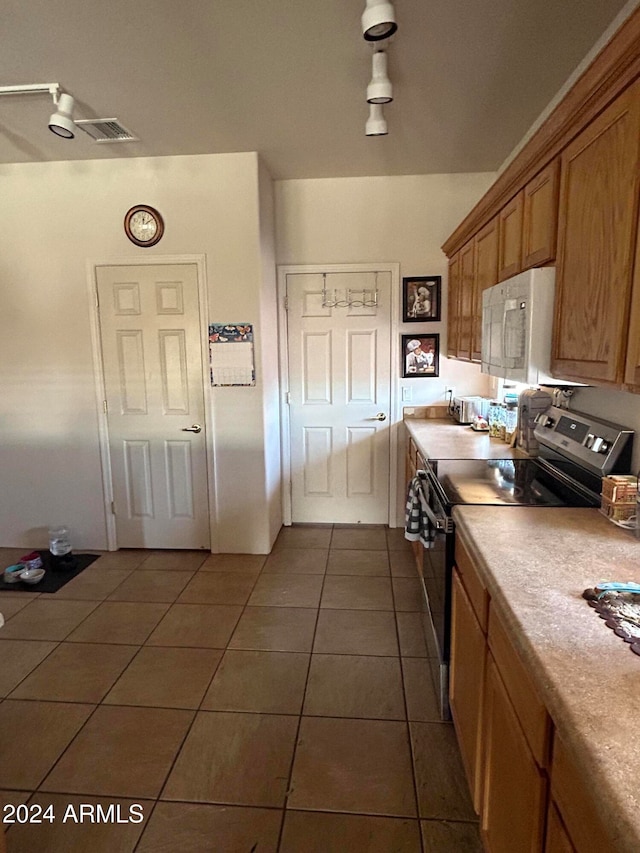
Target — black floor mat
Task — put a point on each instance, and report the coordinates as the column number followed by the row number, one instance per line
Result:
column 55, row 577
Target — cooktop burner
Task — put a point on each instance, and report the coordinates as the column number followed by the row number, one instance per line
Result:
column 519, row 482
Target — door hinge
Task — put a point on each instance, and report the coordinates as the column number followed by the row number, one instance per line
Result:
column 113, row 507
column 105, row 408
column 286, row 303
column 287, row 398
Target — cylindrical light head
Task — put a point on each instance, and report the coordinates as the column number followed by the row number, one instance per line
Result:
column 376, row 124
column 378, row 20
column 379, row 90
column 61, row 122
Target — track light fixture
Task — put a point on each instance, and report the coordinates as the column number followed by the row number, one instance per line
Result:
column 376, row 124
column 61, row 121
column 378, row 20
column 379, row 90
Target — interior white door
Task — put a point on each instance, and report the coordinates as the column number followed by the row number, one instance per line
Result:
column 152, row 360
column 339, row 396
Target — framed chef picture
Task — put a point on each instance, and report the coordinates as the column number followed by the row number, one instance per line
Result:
column 421, row 296
column 420, row 356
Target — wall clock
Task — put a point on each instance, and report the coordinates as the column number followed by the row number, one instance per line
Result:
column 143, row 225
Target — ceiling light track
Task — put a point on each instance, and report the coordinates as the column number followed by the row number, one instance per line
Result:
column 60, row 121
column 33, row 89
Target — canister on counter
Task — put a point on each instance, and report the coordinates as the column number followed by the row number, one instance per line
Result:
column 510, row 421
column 494, row 418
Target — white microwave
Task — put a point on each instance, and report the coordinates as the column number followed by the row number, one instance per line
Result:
column 517, row 321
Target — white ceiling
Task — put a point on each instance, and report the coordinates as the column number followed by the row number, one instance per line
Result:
column 287, row 78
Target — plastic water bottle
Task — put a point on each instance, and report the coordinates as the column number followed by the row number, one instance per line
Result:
column 59, row 542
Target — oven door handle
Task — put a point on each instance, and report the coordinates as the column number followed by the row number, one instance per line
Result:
column 439, row 522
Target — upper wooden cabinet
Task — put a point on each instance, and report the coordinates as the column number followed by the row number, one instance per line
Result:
column 632, row 367
column 486, row 275
column 471, row 271
column 597, row 229
column 510, row 237
column 616, row 67
column 571, row 193
column 453, row 312
column 540, row 217
column 466, row 300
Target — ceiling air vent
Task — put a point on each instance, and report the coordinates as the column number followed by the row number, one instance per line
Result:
column 105, row 130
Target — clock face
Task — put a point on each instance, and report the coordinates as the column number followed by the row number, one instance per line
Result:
column 143, row 225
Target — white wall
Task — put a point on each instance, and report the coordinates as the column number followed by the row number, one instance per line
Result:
column 270, row 353
column 56, row 218
column 401, row 219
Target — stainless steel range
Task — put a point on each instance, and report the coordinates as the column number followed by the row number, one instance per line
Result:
column 576, row 451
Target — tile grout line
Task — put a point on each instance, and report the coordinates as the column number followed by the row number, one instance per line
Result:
column 407, row 723
column 198, row 709
column 304, row 696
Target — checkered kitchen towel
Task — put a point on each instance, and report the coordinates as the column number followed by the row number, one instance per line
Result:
column 417, row 526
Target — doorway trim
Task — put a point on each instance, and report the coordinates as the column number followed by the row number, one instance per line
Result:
column 283, row 271
column 199, row 261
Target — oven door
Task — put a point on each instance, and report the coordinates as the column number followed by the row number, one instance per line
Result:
column 436, row 575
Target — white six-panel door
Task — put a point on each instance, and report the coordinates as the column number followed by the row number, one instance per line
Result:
column 339, row 397
column 152, row 361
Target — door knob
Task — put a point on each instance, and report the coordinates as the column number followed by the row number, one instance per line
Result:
column 193, row 428
column 379, row 417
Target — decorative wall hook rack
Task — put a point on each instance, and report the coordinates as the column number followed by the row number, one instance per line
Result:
column 352, row 297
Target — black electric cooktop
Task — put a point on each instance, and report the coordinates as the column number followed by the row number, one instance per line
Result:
column 516, row 482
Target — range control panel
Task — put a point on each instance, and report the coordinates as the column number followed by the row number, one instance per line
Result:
column 601, row 446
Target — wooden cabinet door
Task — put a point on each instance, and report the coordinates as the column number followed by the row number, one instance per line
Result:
column 557, row 840
column 486, row 275
column 540, row 217
column 453, row 311
column 515, row 789
column 466, row 304
column 573, row 795
column 510, row 237
column 632, row 367
column 466, row 685
column 596, row 240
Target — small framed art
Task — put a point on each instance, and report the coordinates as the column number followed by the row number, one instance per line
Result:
column 420, row 356
column 421, row 297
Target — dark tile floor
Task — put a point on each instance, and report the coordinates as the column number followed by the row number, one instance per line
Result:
column 246, row 703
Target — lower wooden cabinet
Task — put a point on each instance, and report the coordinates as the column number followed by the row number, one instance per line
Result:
column 530, row 796
column 557, row 840
column 413, row 462
column 466, row 685
column 575, row 804
column 514, row 801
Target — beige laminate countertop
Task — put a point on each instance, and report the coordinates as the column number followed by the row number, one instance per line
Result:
column 443, row 438
column 536, row 562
